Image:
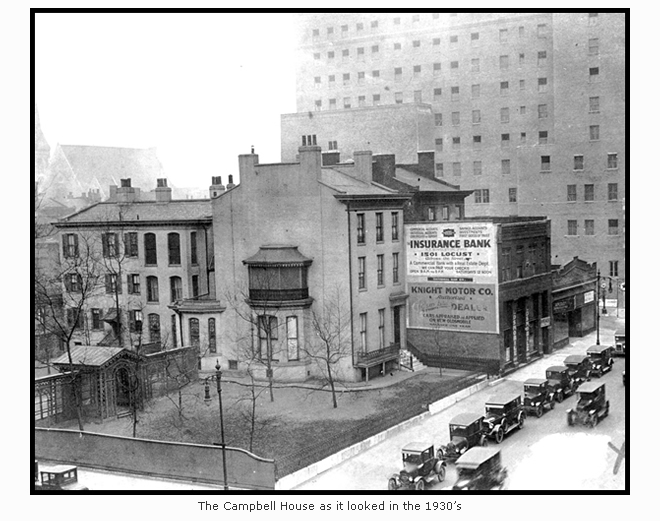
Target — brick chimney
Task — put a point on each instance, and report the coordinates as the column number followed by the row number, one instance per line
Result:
column 363, row 165
column 384, row 168
column 331, row 157
column 217, row 188
column 246, row 166
column 310, row 160
column 125, row 192
column 163, row 192
column 230, row 184
column 426, row 161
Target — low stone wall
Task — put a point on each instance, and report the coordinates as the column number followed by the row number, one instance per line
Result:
column 169, row 460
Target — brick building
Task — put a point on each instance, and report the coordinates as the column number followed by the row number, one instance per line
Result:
column 527, row 109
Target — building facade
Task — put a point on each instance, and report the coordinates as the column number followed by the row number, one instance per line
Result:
column 528, row 109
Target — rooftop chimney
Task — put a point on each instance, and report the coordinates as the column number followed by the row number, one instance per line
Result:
column 331, row 157
column 163, row 192
column 426, row 161
column 126, row 193
column 384, row 168
column 310, row 158
column 217, row 188
column 363, row 165
column 230, row 184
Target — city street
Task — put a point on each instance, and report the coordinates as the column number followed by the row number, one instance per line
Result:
column 546, row 454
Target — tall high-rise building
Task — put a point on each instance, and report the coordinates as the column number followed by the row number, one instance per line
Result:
column 526, row 109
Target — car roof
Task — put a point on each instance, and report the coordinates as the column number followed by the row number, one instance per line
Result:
column 502, row 399
column 535, row 381
column 57, row 469
column 557, row 368
column 574, row 358
column 466, row 418
column 417, row 446
column 590, row 387
column 476, row 456
column 598, row 349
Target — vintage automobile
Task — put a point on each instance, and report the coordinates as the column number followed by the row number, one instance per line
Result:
column 592, row 405
column 620, row 342
column 58, row 477
column 480, row 468
column 465, row 431
column 601, row 359
column 560, row 382
column 420, row 466
column 503, row 414
column 538, row 396
column 579, row 368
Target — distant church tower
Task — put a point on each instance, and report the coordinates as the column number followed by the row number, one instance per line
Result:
column 41, row 150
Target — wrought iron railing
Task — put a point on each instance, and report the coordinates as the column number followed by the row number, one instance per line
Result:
column 277, row 295
column 392, row 349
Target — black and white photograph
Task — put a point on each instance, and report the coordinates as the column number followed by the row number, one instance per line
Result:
column 372, row 252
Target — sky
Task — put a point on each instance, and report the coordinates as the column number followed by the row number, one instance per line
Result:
column 202, row 88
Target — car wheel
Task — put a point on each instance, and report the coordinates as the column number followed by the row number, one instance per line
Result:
column 521, row 420
column 420, row 485
column 593, row 421
column 440, row 454
column 499, row 434
column 442, row 471
column 483, row 442
column 539, row 410
column 552, row 405
column 560, row 396
column 570, row 419
column 391, row 484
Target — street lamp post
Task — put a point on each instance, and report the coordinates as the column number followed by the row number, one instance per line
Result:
column 207, row 399
column 598, row 309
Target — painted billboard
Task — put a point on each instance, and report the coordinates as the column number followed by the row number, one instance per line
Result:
column 452, row 276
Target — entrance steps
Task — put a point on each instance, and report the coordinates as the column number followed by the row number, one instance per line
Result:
column 409, row 361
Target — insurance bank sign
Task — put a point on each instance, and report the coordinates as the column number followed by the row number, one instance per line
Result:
column 452, row 276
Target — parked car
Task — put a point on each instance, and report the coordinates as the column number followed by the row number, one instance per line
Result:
column 420, row 466
column 620, row 342
column 579, row 368
column 480, row 468
column 592, row 405
column 465, row 431
column 503, row 414
column 560, row 382
column 601, row 359
column 538, row 396
column 58, row 477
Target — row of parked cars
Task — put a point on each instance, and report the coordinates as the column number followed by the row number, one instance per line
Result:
column 479, row 466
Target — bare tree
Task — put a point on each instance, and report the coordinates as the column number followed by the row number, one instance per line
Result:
column 250, row 401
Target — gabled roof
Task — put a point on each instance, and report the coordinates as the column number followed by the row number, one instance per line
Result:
column 278, row 255
column 91, row 356
column 414, row 175
column 339, row 178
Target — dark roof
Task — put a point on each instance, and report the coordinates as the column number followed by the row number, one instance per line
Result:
column 417, row 446
column 598, row 348
column 476, row 456
column 557, row 368
column 590, row 387
column 465, row 418
column 278, row 255
column 535, row 381
column 502, row 399
column 89, row 356
column 574, row 359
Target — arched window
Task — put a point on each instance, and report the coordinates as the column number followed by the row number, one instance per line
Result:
column 152, row 289
column 174, row 248
column 194, row 331
column 150, row 255
column 154, row 328
column 176, row 291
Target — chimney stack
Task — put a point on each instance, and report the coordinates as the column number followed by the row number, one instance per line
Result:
column 426, row 162
column 217, row 188
column 163, row 192
column 125, row 192
column 230, row 184
column 384, row 168
column 331, row 157
column 363, row 160
column 310, row 158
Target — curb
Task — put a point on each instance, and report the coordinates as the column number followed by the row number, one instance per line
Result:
column 299, row 477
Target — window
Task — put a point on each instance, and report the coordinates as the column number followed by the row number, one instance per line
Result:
column 523, row 110
column 344, row 29
column 504, row 62
column 474, row 64
column 578, row 162
column 455, row 118
column 571, row 193
column 360, row 229
column 359, row 27
column 174, row 248
column 474, row 37
column 360, row 53
column 593, row 74
column 476, row 141
column 594, row 104
column 506, row 166
column 195, row 286
column 436, row 41
column 346, row 78
column 482, row 195
column 362, row 267
column 437, row 93
column 74, row 318
column 379, row 227
column 175, row 336
column 331, row 55
column 374, row 49
column 572, row 227
column 112, row 283
column 398, row 71
column 456, row 168
column 347, row 103
column 315, row 33
column 453, row 40
column 513, row 195
column 362, row 101
column 521, row 31
column 193, row 326
column 417, row 96
column 361, row 77
column 395, row 268
column 374, row 24
column 292, row 346
column 267, row 330
column 523, row 137
column 176, row 289
column 332, row 145
column 380, row 260
column 504, row 115
column 594, row 132
column 381, row 328
column 438, row 119
column 542, row 58
column 504, row 35
column 543, row 137
column 397, row 20
column 133, row 281
column 439, row 169
column 395, row 226
column 152, row 289
column 589, row 192
column 363, row 332
column 543, row 111
column 317, row 55
column 317, row 104
column 331, row 30
column 398, row 97
column 445, row 212
column 110, row 244
column 453, row 66
column 431, row 213
column 436, row 68
column 521, row 85
column 154, row 328
column 613, row 226
column 416, row 44
column 345, row 54
column 397, row 46
column 476, row 91
column 331, row 81
column 614, row 268
column 317, row 81
column 612, row 191
column 505, row 140
column 415, row 18
column 150, row 253
column 476, row 168
column 455, row 93
column 212, row 338
column 521, row 59
column 593, row 46
column 376, row 99
column 589, row 227
column 476, row 117
column 504, row 88
column 438, row 144
column 333, row 103
column 131, row 244
column 542, row 30
column 70, row 245
column 73, row 282
column 612, row 161
column 543, row 85
column 545, row 163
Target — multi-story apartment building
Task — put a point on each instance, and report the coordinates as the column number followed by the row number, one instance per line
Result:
column 526, row 109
